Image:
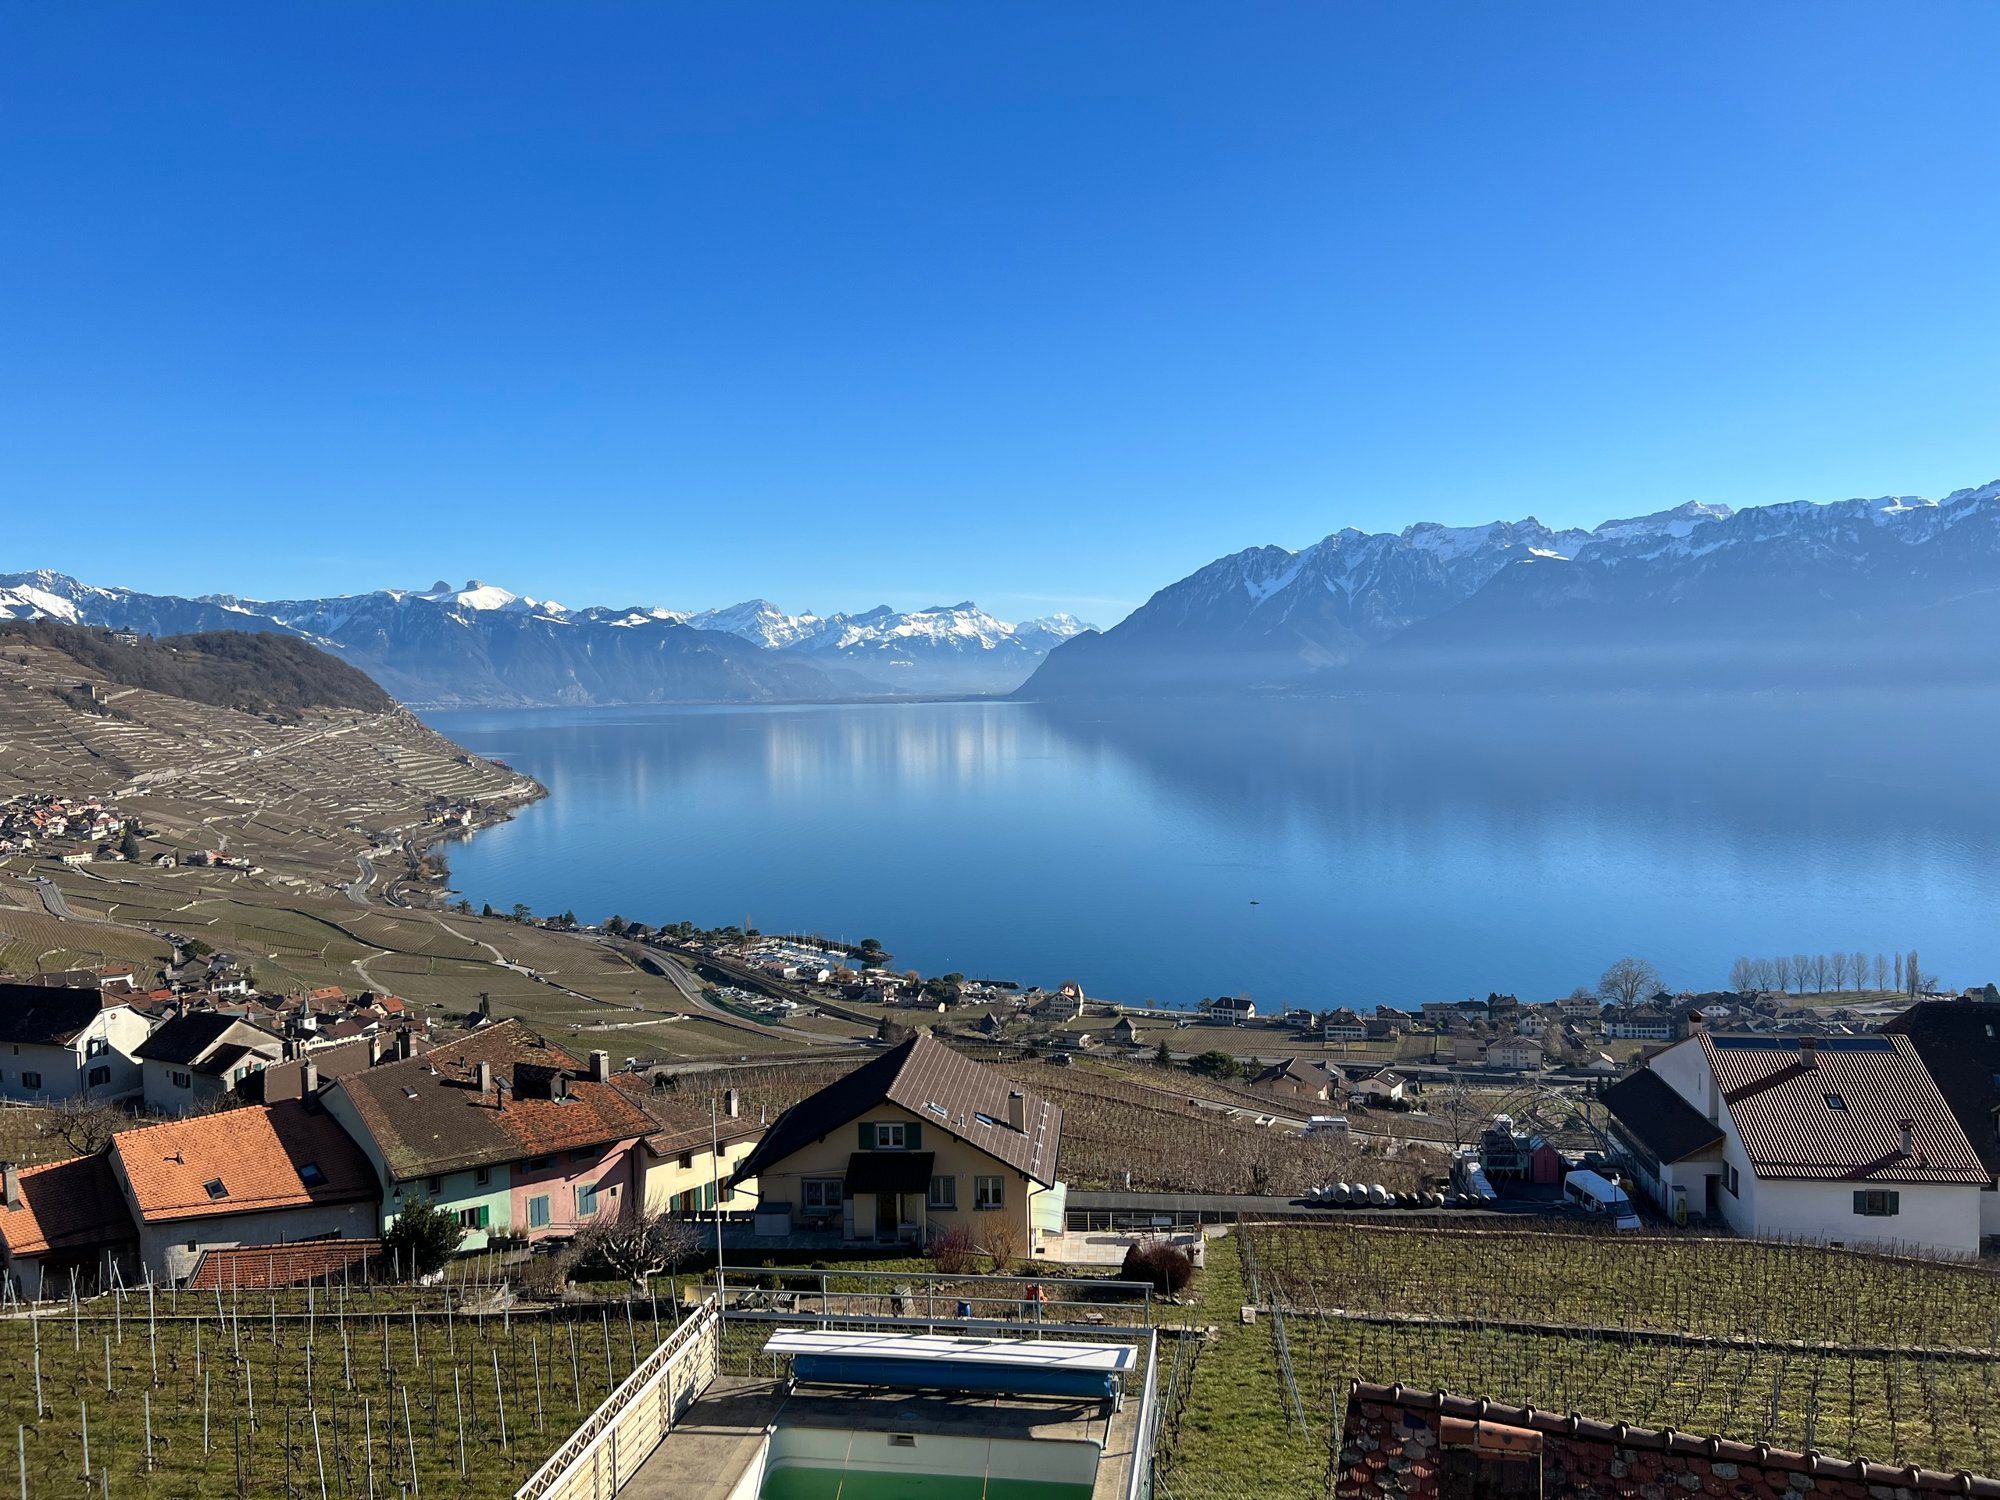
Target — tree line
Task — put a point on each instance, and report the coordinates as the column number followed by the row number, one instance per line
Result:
column 1831, row 973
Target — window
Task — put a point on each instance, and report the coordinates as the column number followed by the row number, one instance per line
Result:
column 97, row 1046
column 820, row 1195
column 99, row 1075
column 1876, row 1203
column 433, row 1185
column 538, row 1211
column 944, row 1192
column 1731, row 1180
column 537, row 1163
column 890, row 1136
column 483, row 1176
column 311, row 1175
column 181, row 1080
column 31, row 1080
column 472, row 1218
column 1834, row 1101
column 989, row 1192
column 216, row 1188
column 586, row 1202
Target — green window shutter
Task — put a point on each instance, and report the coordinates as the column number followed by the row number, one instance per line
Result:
column 867, row 1135
column 1895, row 1203
column 1860, row 1202
column 913, row 1133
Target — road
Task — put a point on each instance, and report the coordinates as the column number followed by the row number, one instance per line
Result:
column 53, row 902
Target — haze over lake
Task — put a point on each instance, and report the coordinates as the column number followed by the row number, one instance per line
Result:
column 1317, row 852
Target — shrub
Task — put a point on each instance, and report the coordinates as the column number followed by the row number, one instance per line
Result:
column 954, row 1251
column 422, row 1239
column 1168, row 1267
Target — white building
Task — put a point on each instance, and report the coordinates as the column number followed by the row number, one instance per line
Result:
column 193, row 1060
column 1842, row 1140
column 63, row 1042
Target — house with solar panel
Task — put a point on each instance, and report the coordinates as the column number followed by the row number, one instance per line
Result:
column 1838, row 1140
column 912, row 1141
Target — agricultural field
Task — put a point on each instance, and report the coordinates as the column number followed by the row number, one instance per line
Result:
column 1798, row 1346
column 188, row 1394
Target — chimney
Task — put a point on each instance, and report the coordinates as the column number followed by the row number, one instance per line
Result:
column 11, row 1175
column 732, row 1104
column 309, row 1078
column 485, row 1077
column 559, row 1086
column 1017, row 1111
column 405, row 1044
column 1908, row 1128
column 1808, row 1052
column 374, row 1049
column 600, row 1067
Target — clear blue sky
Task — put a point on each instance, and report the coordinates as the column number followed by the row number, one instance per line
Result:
column 1043, row 305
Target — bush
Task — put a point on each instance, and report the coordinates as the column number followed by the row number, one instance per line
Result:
column 422, row 1239
column 1168, row 1267
column 954, row 1251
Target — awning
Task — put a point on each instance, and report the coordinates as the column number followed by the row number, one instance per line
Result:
column 889, row 1171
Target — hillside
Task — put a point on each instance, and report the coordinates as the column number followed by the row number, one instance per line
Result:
column 259, row 674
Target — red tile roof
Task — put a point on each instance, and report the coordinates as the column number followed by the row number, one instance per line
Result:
column 427, row 1116
column 259, row 1156
column 1834, row 1109
column 291, row 1263
column 66, row 1205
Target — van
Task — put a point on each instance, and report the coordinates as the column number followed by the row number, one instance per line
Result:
column 1327, row 1125
column 1597, row 1194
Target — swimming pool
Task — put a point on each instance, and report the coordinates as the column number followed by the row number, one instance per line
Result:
column 826, row 1463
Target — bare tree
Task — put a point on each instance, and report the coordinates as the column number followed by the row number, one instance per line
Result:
column 85, row 1125
column 1802, row 970
column 1766, row 971
column 1781, row 967
column 1628, row 981
column 1899, row 973
column 1860, row 963
column 639, row 1246
column 1913, row 974
column 1838, row 970
column 1743, row 976
column 1455, row 1108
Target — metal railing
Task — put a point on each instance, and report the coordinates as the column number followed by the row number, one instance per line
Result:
column 1146, row 1430
column 599, row 1456
column 981, row 1303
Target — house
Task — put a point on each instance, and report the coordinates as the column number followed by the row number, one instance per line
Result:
column 1515, row 1054
column 265, row 1175
column 1233, row 1008
column 1292, row 1079
column 1958, row 1042
column 918, row 1138
column 68, row 1042
column 1378, row 1085
column 1672, row 1149
column 1643, row 1023
column 1343, row 1026
column 504, row 1128
column 1125, row 1032
column 1846, row 1140
column 62, row 1219
column 194, row 1059
column 688, row 1164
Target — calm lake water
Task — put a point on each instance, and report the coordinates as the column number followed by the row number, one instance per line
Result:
column 1324, row 852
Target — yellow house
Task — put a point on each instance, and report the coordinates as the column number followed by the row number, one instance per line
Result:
column 912, row 1142
column 678, row 1163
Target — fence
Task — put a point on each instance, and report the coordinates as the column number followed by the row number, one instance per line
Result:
column 622, row 1433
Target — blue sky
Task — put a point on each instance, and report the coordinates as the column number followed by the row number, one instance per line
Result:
column 1042, row 305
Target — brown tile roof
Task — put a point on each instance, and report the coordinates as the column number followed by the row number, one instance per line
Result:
column 1833, row 1108
column 944, row 1089
column 680, row 1117
column 259, row 1156
column 66, row 1205
column 427, row 1116
column 291, row 1263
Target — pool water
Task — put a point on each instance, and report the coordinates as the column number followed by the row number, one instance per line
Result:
column 808, row 1482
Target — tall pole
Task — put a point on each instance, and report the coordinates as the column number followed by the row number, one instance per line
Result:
column 715, row 1191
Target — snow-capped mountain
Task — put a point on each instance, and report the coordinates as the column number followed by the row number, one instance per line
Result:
column 956, row 648
column 487, row 645
column 1763, row 594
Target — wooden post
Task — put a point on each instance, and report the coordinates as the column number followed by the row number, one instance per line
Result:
column 368, row 1445
column 83, row 1408
column 458, row 1404
column 410, row 1441
column 319, row 1458
column 499, row 1400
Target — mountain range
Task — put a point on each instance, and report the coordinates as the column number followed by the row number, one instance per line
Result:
column 483, row 645
column 1700, row 595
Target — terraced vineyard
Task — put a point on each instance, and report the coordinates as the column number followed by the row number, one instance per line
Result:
column 1798, row 1346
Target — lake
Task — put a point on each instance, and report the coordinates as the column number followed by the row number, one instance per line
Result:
column 1317, row 852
